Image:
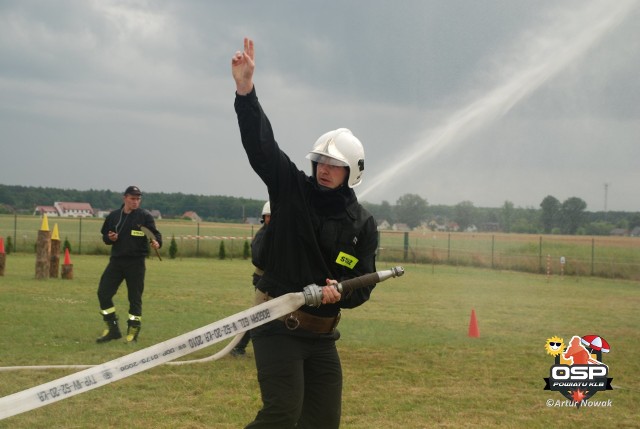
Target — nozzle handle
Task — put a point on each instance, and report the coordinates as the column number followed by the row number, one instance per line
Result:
column 367, row 280
column 313, row 293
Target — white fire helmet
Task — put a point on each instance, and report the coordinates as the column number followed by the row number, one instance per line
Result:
column 266, row 209
column 340, row 147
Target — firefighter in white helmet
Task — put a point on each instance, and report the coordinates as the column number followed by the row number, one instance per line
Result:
column 318, row 233
column 266, row 211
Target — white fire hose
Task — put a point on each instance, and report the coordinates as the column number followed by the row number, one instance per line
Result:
column 166, row 351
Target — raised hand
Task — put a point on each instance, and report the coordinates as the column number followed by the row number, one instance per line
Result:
column 242, row 67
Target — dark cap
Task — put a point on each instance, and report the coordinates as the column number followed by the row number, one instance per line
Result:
column 133, row 190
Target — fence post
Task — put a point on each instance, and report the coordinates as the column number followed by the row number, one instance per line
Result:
column 406, row 246
column 493, row 246
column 80, row 236
column 198, row 239
column 449, row 248
column 540, row 255
column 548, row 267
column 593, row 244
column 15, row 232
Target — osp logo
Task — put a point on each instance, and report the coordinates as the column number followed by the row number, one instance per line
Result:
column 578, row 372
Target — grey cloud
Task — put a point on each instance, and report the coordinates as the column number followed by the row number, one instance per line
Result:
column 97, row 84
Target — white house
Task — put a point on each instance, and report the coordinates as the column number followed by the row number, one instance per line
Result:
column 50, row 211
column 66, row 209
column 192, row 215
column 383, row 225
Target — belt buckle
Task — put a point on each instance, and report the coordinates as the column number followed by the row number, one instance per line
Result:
column 291, row 322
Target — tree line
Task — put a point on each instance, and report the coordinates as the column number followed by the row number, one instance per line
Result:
column 24, row 200
column 551, row 216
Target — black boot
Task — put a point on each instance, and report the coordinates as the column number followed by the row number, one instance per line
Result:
column 112, row 330
column 239, row 349
column 133, row 328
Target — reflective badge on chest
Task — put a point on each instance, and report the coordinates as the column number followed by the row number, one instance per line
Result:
column 346, row 260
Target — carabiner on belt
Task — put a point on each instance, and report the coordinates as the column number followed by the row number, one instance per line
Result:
column 291, row 322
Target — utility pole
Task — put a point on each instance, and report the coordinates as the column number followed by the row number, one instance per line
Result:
column 606, row 192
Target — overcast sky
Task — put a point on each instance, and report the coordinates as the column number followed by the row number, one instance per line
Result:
column 454, row 100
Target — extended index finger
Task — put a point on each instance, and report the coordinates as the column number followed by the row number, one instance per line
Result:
column 248, row 47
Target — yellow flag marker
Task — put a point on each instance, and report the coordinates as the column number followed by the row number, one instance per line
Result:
column 45, row 223
column 55, row 235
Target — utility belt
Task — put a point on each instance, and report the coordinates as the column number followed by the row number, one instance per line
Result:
column 300, row 320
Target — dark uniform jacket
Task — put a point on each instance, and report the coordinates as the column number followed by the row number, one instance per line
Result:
column 131, row 240
column 314, row 234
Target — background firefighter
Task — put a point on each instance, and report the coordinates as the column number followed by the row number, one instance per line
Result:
column 129, row 249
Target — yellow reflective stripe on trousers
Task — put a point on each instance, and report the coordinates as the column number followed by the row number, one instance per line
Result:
column 108, row 311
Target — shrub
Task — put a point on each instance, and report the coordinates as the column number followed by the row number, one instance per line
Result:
column 246, row 251
column 173, row 248
column 221, row 253
column 66, row 245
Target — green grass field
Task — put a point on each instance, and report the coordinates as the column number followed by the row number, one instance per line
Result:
column 407, row 359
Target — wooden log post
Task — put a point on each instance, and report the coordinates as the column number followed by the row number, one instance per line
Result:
column 43, row 251
column 55, row 253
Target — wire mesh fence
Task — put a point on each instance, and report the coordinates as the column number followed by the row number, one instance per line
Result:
column 612, row 257
column 602, row 256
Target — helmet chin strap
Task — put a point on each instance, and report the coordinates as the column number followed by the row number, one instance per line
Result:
column 323, row 188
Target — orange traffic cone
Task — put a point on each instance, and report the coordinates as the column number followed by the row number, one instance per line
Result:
column 67, row 267
column 3, row 257
column 474, row 332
